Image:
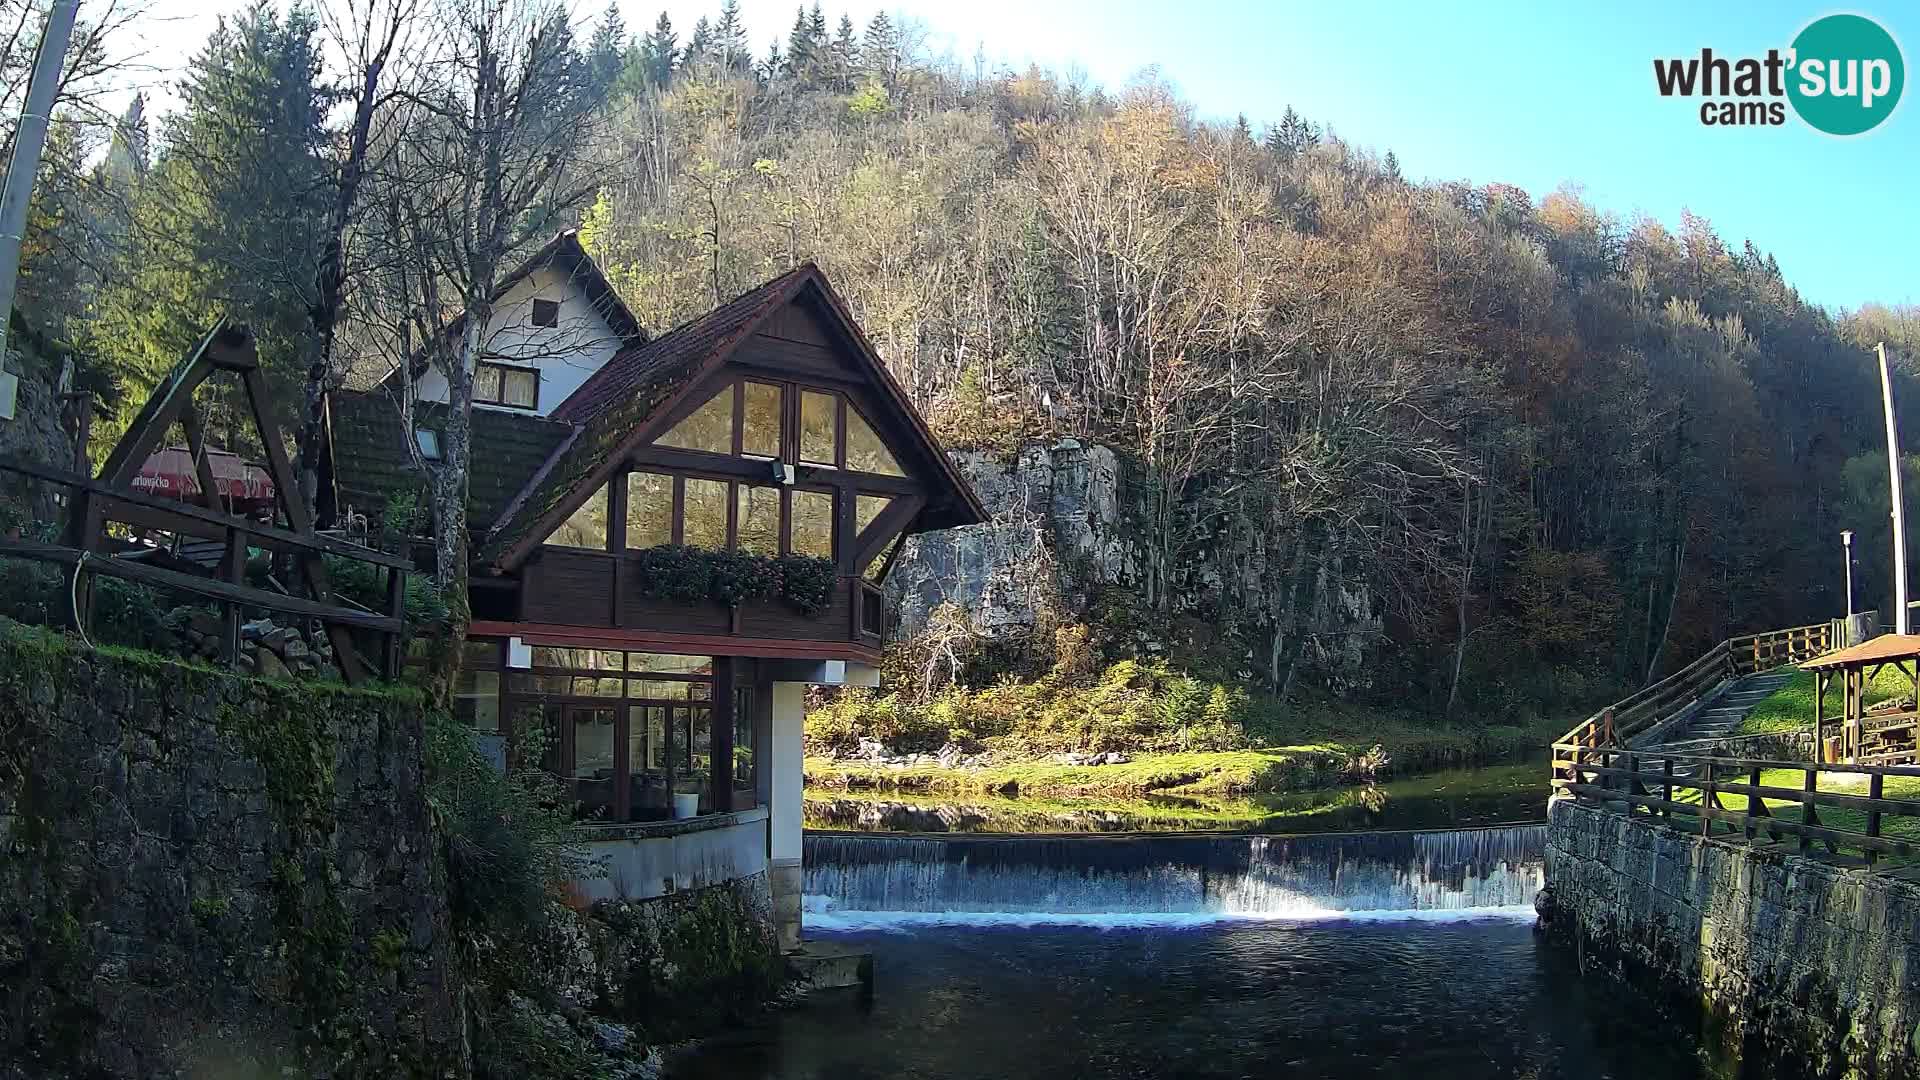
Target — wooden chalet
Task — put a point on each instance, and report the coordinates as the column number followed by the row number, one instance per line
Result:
column 605, row 461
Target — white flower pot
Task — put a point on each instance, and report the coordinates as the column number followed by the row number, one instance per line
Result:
column 686, row 805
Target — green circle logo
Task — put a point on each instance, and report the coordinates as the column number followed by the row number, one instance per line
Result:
column 1847, row 74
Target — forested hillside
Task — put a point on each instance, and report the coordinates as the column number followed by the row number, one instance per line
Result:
column 1561, row 449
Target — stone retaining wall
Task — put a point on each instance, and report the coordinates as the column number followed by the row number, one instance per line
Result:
column 208, row 875
column 1811, row 970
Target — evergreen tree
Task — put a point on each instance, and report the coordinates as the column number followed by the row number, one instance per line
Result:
column 1392, row 166
column 880, row 47
column 700, row 44
column 774, row 64
column 607, row 49
column 231, row 219
column 658, row 50
column 730, row 37
column 845, row 54
column 1292, row 135
column 803, row 49
column 128, row 154
column 1242, row 131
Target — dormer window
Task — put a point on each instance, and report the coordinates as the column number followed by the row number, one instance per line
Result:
column 502, row 384
column 428, row 440
column 546, row 313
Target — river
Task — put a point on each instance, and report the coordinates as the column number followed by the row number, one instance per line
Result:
column 1348, row 955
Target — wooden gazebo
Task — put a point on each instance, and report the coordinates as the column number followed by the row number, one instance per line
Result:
column 1890, row 737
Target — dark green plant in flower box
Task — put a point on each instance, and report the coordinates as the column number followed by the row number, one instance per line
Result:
column 807, row 582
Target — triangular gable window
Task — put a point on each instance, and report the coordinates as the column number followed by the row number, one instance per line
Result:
column 709, row 428
column 865, row 451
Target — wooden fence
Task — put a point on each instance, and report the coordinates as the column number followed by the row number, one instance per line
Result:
column 1676, row 787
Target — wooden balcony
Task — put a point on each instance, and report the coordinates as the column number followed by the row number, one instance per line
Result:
column 588, row 589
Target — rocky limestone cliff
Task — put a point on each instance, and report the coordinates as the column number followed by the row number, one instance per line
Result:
column 1066, row 541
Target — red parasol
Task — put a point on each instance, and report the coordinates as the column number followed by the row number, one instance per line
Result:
column 171, row 473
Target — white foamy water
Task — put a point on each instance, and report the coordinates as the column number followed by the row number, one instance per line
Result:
column 1181, row 880
column 821, row 915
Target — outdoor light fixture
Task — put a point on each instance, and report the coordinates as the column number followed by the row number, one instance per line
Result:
column 1846, row 544
column 782, row 473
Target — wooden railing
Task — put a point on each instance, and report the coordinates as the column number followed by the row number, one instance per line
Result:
column 1674, row 787
column 1764, row 652
column 228, row 588
column 1731, row 659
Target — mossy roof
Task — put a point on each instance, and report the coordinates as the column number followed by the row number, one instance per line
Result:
column 372, row 462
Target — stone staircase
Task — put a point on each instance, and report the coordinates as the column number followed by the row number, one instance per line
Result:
column 1722, row 714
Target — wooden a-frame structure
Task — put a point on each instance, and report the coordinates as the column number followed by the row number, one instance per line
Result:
column 110, row 496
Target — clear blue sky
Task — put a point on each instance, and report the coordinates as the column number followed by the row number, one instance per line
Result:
column 1533, row 94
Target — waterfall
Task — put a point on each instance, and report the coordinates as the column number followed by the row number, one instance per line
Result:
column 1115, row 880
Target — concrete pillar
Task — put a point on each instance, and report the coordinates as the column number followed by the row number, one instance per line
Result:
column 783, row 819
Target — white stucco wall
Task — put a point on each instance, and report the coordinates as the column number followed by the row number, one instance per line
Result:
column 565, row 354
column 789, row 715
column 645, row 861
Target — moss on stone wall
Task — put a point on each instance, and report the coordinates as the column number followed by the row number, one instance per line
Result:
column 209, row 873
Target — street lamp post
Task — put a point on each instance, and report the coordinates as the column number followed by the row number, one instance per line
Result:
column 1846, row 544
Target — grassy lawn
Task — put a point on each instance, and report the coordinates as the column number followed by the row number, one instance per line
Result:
column 1790, row 708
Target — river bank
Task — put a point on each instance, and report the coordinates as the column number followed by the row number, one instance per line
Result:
column 1449, row 798
column 1345, row 755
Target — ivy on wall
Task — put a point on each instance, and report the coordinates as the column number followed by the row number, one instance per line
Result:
column 687, row 575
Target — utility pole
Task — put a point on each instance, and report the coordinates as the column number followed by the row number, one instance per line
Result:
column 28, row 140
column 1893, row 486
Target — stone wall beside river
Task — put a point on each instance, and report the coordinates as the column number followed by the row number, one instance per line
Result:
column 1810, row 969
column 207, row 875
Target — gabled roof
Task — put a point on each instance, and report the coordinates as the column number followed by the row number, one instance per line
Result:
column 616, row 404
column 371, row 462
column 641, row 363
column 565, row 254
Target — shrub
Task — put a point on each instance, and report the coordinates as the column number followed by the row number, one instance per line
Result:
column 511, row 838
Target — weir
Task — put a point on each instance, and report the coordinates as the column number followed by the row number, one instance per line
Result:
column 1217, row 876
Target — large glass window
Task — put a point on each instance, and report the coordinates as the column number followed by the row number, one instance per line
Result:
column 649, row 510
column 587, row 526
column 812, row 523
column 877, row 569
column 706, row 514
column 818, row 427
column 866, row 508
column 476, row 700
column 592, row 730
column 710, row 428
column 549, row 656
column 865, row 451
column 758, row 531
column 760, row 423
column 669, row 663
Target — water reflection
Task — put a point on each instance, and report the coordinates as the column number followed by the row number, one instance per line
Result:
column 1447, row 799
column 1464, row 1001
